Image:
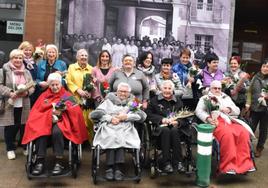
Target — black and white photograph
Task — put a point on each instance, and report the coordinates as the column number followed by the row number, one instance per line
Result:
column 133, row 26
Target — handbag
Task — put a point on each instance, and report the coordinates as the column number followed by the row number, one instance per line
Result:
column 2, row 98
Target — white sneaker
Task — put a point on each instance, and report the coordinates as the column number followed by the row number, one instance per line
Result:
column 25, row 152
column 11, row 155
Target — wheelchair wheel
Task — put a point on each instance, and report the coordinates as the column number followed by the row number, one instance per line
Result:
column 31, row 159
column 95, row 167
column 137, row 165
column 145, row 148
column 74, row 170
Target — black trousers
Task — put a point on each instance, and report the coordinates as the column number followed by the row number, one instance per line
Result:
column 10, row 132
column 262, row 118
column 115, row 156
column 57, row 142
column 170, row 139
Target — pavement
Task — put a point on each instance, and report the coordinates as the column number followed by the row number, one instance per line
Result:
column 12, row 174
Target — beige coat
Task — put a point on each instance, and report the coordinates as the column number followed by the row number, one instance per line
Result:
column 7, row 118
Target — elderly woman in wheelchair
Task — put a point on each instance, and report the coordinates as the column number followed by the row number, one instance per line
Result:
column 54, row 114
column 167, row 128
column 116, row 131
column 232, row 134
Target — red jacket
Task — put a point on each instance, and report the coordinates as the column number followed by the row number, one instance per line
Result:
column 39, row 122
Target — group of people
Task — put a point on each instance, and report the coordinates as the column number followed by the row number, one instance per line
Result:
column 162, row 48
column 47, row 97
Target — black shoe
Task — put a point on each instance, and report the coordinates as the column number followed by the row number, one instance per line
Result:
column 181, row 168
column 38, row 169
column 168, row 168
column 118, row 175
column 109, row 174
column 57, row 170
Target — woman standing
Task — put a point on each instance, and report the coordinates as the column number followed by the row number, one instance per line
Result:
column 49, row 65
column 166, row 74
column 118, row 51
column 30, row 65
column 135, row 78
column 14, row 75
column 257, row 104
column 148, row 69
column 238, row 82
column 102, row 72
column 183, row 69
column 75, row 81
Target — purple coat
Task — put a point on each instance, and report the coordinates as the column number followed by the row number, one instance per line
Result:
column 208, row 78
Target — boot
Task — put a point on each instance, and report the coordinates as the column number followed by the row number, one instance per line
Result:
column 258, row 152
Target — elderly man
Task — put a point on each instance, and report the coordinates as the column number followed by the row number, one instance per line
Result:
column 117, row 115
column 55, row 113
column 160, row 112
column 233, row 135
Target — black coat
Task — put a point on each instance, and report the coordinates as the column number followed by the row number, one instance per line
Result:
column 160, row 108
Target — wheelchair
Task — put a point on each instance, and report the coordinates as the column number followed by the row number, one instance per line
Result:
column 187, row 143
column 96, row 168
column 74, row 161
column 216, row 157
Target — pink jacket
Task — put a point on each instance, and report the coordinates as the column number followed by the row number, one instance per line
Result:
column 97, row 74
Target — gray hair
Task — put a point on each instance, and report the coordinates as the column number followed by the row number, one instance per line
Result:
column 52, row 46
column 54, row 77
column 166, row 82
column 80, row 51
column 123, row 84
column 215, row 83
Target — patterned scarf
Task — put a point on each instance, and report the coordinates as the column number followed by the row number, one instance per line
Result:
column 18, row 73
column 29, row 63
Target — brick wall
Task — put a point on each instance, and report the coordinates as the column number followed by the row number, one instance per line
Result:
column 40, row 20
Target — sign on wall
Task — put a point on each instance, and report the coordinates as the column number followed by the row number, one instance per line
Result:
column 15, row 27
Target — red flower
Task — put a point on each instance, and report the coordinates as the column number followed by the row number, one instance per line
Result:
column 106, row 85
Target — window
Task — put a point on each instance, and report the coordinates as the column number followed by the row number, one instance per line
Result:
column 208, row 42
column 204, row 40
column 198, row 40
column 200, row 4
column 209, row 5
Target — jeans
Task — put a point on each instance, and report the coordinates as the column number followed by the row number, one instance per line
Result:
column 11, row 131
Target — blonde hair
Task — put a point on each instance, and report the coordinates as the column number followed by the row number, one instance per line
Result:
column 52, row 46
column 26, row 44
column 16, row 52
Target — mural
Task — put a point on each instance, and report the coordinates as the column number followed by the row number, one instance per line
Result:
column 201, row 25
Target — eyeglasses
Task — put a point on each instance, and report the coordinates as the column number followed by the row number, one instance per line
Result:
column 121, row 91
column 216, row 88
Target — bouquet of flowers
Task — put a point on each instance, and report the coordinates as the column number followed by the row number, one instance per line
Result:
column 212, row 106
column 21, row 89
column 183, row 113
column 192, row 72
column 88, row 85
column 104, row 88
column 235, row 83
column 134, row 105
column 175, row 79
column 263, row 96
column 62, row 105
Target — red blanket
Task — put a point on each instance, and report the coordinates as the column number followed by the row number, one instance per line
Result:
column 39, row 123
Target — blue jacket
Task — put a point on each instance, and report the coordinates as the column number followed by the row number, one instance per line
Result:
column 41, row 68
column 182, row 71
